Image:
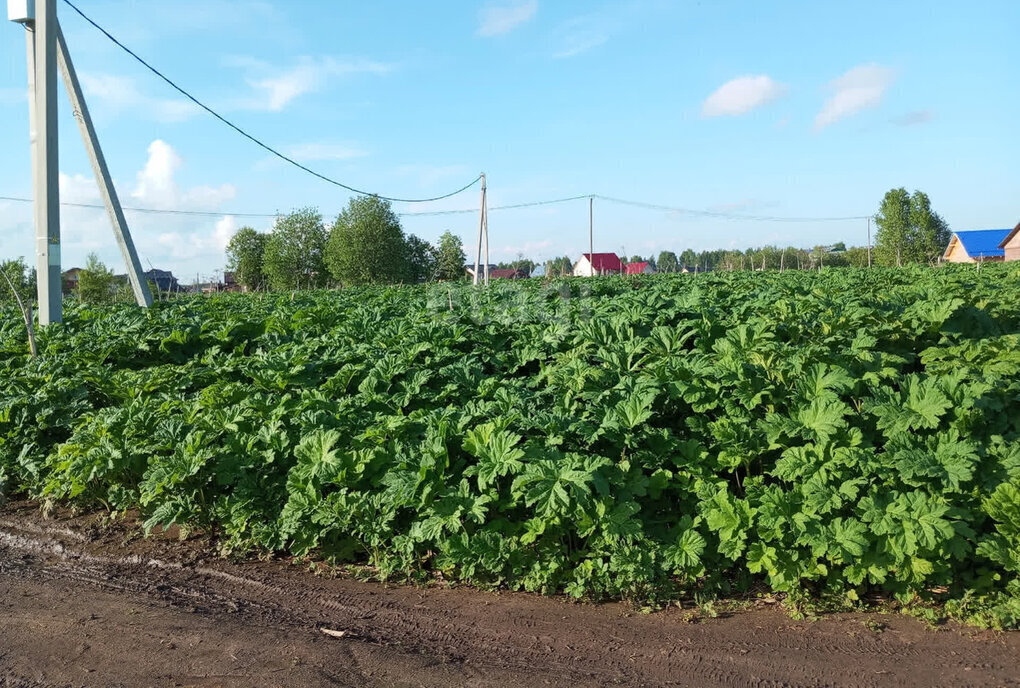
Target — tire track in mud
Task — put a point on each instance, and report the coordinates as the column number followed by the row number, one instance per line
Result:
column 580, row 643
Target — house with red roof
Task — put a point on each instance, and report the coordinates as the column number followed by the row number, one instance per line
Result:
column 598, row 264
column 642, row 268
column 507, row 273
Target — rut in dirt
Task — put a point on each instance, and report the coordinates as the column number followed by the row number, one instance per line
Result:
column 508, row 634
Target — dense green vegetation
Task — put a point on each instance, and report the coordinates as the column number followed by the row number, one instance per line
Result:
column 827, row 433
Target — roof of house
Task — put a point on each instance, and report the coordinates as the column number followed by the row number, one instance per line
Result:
column 539, row 271
column 982, row 243
column 1009, row 237
column 470, row 268
column 604, row 262
column 505, row 273
column 635, row 268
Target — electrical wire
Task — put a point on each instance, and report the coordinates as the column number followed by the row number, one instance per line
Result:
column 465, row 211
column 496, row 207
column 161, row 211
column 723, row 215
column 254, row 140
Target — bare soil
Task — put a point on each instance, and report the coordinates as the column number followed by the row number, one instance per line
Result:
column 86, row 603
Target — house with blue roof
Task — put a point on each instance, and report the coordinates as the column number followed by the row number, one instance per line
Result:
column 977, row 246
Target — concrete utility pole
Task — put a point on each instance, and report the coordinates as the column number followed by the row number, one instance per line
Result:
column 483, row 236
column 139, row 285
column 869, row 242
column 485, row 223
column 591, row 227
column 45, row 50
column 40, row 21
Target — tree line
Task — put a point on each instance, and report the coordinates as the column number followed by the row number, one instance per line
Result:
column 365, row 244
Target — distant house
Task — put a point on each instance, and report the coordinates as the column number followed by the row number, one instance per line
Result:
column 688, row 269
column 69, row 278
column 598, row 264
column 1011, row 244
column 230, row 282
column 539, row 271
column 508, row 273
column 976, row 246
column 642, row 268
column 163, row 279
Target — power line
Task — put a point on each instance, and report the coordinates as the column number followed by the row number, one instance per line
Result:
column 464, row 211
column 495, row 207
column 251, row 138
column 160, row 211
column 724, row 215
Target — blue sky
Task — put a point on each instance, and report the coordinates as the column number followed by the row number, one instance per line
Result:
column 783, row 109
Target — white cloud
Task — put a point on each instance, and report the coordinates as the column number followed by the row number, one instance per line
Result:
column 741, row 95
column 156, row 187
column 121, row 93
column 581, row 34
column 859, row 88
column 182, row 243
column 910, row 119
column 498, row 19
column 190, row 245
column 325, row 151
column 277, row 88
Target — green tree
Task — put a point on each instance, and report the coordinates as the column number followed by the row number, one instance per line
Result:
column 893, row 234
column 636, row 259
column 930, row 232
column 367, row 244
column 451, row 259
column 294, row 251
column 22, row 279
column 667, row 262
column 246, row 257
column 909, row 231
column 96, row 283
column 421, row 260
column 856, row 256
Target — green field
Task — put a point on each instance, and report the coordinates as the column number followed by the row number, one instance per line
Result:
column 828, row 435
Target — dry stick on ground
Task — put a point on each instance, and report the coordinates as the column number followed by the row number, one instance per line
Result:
column 26, row 312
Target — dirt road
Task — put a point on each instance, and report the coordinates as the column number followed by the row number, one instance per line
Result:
column 82, row 605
